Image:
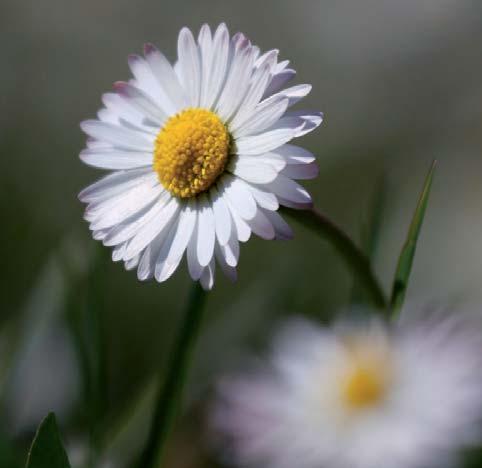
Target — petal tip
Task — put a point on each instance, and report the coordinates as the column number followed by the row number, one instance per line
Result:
column 133, row 58
column 120, row 86
column 85, row 124
column 149, row 48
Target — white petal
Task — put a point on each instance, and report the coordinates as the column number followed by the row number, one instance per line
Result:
column 237, row 81
column 268, row 58
column 132, row 263
column 279, row 80
column 152, row 229
column 141, row 102
column 205, row 42
column 167, row 78
column 104, row 204
column 295, row 154
column 228, row 270
column 266, row 114
column 118, row 252
column 280, row 66
column 109, row 116
column 303, row 121
column 148, row 127
column 264, row 142
column 207, row 276
column 296, row 205
column 195, row 269
column 222, row 217
column 115, row 159
column 313, row 118
column 239, row 196
column 189, row 65
column 167, row 269
column 277, row 162
column 243, row 231
column 219, row 64
column 282, row 229
column 295, row 93
column 91, row 143
column 263, row 198
column 256, row 52
column 113, row 184
column 288, row 190
column 230, row 251
column 128, row 228
column 118, row 106
column 206, row 231
column 149, row 257
column 162, row 271
column 169, row 259
column 131, row 203
column 147, row 82
column 145, row 268
column 252, row 171
column 261, row 226
column 116, row 135
column 100, row 235
column 253, row 96
column 177, row 70
column 301, row 171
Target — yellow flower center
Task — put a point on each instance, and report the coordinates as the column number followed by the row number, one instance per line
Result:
column 366, row 381
column 364, row 387
column 191, row 151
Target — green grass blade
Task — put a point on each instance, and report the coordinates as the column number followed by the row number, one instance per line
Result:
column 405, row 260
column 47, row 450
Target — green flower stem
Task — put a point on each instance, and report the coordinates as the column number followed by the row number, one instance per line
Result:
column 170, row 393
column 354, row 258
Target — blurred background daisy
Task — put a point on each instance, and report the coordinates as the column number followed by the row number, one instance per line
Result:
column 362, row 394
column 399, row 83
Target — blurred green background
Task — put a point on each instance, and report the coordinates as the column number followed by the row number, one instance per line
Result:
column 400, row 84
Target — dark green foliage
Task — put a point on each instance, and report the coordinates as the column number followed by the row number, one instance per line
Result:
column 405, row 260
column 47, row 450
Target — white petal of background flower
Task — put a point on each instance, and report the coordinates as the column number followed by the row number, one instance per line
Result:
column 292, row 411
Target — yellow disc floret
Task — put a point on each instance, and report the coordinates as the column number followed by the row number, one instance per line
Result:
column 191, row 151
column 364, row 387
column 366, row 380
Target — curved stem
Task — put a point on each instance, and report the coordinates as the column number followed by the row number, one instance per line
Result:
column 170, row 392
column 354, row 258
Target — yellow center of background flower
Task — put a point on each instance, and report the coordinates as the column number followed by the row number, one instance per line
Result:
column 364, row 387
column 191, row 151
column 366, row 381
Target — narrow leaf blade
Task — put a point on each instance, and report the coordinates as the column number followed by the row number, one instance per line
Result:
column 47, row 450
column 405, row 260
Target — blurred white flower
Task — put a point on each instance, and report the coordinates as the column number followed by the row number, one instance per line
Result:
column 42, row 374
column 79, row 452
column 360, row 395
column 201, row 156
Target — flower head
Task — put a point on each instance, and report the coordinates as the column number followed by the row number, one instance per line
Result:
column 362, row 395
column 200, row 156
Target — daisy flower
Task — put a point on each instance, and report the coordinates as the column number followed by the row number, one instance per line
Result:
column 200, row 156
column 362, row 395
